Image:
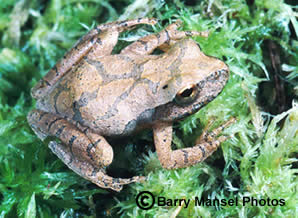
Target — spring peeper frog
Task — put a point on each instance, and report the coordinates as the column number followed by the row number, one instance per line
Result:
column 91, row 94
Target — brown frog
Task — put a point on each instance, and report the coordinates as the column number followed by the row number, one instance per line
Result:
column 91, row 94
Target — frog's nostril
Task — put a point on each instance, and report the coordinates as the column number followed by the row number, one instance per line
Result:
column 165, row 86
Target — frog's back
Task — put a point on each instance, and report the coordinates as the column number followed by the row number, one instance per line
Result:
column 94, row 93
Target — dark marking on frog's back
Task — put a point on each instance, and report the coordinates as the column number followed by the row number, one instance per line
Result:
column 86, row 97
column 83, row 101
column 107, row 77
column 174, row 67
column 77, row 113
column 112, row 110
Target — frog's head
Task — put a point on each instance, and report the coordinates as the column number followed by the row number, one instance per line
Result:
column 195, row 80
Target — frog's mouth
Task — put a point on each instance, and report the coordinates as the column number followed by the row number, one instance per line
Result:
column 192, row 98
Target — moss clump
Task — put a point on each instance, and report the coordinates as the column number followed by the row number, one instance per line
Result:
column 255, row 38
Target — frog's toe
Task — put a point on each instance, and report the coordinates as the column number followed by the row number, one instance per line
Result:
column 210, row 136
column 116, row 184
column 152, row 21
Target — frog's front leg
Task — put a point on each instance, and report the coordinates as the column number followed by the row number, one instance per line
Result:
column 162, row 40
column 97, row 42
column 86, row 154
column 205, row 146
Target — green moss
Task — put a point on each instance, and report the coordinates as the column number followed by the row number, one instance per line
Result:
column 257, row 161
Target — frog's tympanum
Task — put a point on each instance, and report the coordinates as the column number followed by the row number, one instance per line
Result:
column 91, row 94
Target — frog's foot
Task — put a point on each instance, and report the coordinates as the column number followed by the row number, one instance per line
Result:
column 180, row 158
column 208, row 137
column 88, row 171
column 163, row 40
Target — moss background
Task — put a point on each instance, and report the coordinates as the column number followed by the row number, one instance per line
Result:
column 256, row 38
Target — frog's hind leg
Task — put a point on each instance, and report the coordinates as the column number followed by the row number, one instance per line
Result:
column 97, row 152
column 162, row 40
column 90, row 172
column 84, row 152
column 98, row 41
column 205, row 146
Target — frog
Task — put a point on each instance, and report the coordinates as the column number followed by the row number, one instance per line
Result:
column 91, row 95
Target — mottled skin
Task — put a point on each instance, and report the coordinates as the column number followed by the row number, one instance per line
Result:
column 90, row 94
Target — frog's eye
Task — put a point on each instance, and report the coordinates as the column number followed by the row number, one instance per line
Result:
column 186, row 95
